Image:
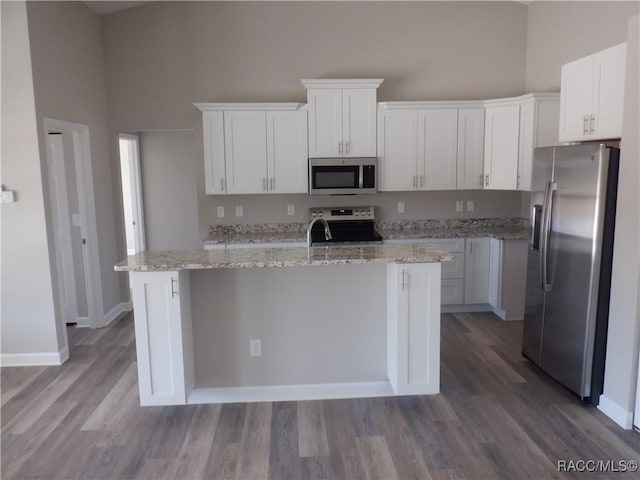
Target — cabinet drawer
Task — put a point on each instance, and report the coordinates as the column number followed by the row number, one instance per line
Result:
column 451, row 245
column 455, row 268
column 452, row 291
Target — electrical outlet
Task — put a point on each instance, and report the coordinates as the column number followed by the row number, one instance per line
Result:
column 459, row 206
column 239, row 211
column 7, row 196
column 255, row 347
column 220, row 211
column 471, row 205
column 400, row 207
column 291, row 209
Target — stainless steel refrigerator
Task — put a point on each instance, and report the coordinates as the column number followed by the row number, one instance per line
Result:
column 573, row 198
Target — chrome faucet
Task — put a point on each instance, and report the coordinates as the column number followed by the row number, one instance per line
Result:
column 327, row 231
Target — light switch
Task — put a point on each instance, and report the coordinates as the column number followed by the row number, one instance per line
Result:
column 459, row 206
column 291, row 209
column 400, row 207
column 239, row 211
column 220, row 211
column 471, row 205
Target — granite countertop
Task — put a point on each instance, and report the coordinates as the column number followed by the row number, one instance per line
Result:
column 282, row 257
column 501, row 228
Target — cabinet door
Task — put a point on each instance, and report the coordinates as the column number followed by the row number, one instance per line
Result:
column 526, row 145
column 325, row 122
column 245, row 140
column 576, row 91
column 501, row 147
column 477, row 270
column 287, row 156
column 413, row 336
column 214, row 169
column 437, row 149
column 470, row 148
column 495, row 273
column 397, row 149
column 608, row 92
column 163, row 336
column 359, row 122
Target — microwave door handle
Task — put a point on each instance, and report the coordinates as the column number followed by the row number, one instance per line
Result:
column 360, row 176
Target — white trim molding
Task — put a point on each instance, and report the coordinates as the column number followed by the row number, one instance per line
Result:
column 284, row 106
column 616, row 413
column 341, row 83
column 116, row 311
column 34, row 359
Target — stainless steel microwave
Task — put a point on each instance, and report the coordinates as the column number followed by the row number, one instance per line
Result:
column 342, row 176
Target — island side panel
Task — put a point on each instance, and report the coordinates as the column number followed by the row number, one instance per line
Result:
column 413, row 326
column 317, row 324
column 161, row 301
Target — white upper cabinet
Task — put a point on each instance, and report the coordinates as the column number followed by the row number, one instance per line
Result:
column 437, row 149
column 245, row 141
column 419, row 145
column 502, row 127
column 397, row 149
column 287, row 152
column 514, row 127
column 470, row 148
column 255, row 148
column 592, row 95
column 342, row 117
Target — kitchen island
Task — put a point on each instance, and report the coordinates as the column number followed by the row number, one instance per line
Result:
column 266, row 324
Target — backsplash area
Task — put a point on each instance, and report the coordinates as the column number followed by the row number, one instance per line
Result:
column 435, row 206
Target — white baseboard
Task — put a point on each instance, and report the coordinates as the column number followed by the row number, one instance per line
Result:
column 33, row 359
column 116, row 311
column 82, row 322
column 616, row 413
column 273, row 393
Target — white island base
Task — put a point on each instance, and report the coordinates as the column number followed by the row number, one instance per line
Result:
column 331, row 331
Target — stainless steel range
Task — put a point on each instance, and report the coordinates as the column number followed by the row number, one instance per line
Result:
column 348, row 226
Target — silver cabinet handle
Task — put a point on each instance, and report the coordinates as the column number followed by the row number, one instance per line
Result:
column 264, row 183
column 272, row 182
column 592, row 123
column 347, row 147
column 422, row 177
column 486, row 180
column 222, row 184
column 174, row 292
column 404, row 280
column 414, row 181
column 585, row 124
column 340, row 147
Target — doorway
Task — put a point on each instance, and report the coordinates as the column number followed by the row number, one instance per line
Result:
column 70, row 181
column 129, row 148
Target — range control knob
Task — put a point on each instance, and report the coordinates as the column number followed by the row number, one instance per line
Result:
column 320, row 213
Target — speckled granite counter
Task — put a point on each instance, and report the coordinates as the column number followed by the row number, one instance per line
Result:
column 282, row 257
column 501, row 228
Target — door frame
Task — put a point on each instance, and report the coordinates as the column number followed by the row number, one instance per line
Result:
column 135, row 178
column 86, row 205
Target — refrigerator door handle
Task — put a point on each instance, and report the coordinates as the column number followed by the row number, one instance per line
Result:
column 544, row 257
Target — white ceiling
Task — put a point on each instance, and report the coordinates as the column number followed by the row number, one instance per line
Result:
column 106, row 7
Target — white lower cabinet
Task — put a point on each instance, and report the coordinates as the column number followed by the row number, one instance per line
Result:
column 413, row 342
column 477, row 270
column 164, row 338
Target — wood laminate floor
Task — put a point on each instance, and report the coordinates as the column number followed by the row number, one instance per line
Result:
column 497, row 417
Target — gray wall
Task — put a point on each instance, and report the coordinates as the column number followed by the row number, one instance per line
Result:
column 163, row 56
column 624, row 316
column 28, row 323
column 69, row 84
column 559, row 32
column 168, row 166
